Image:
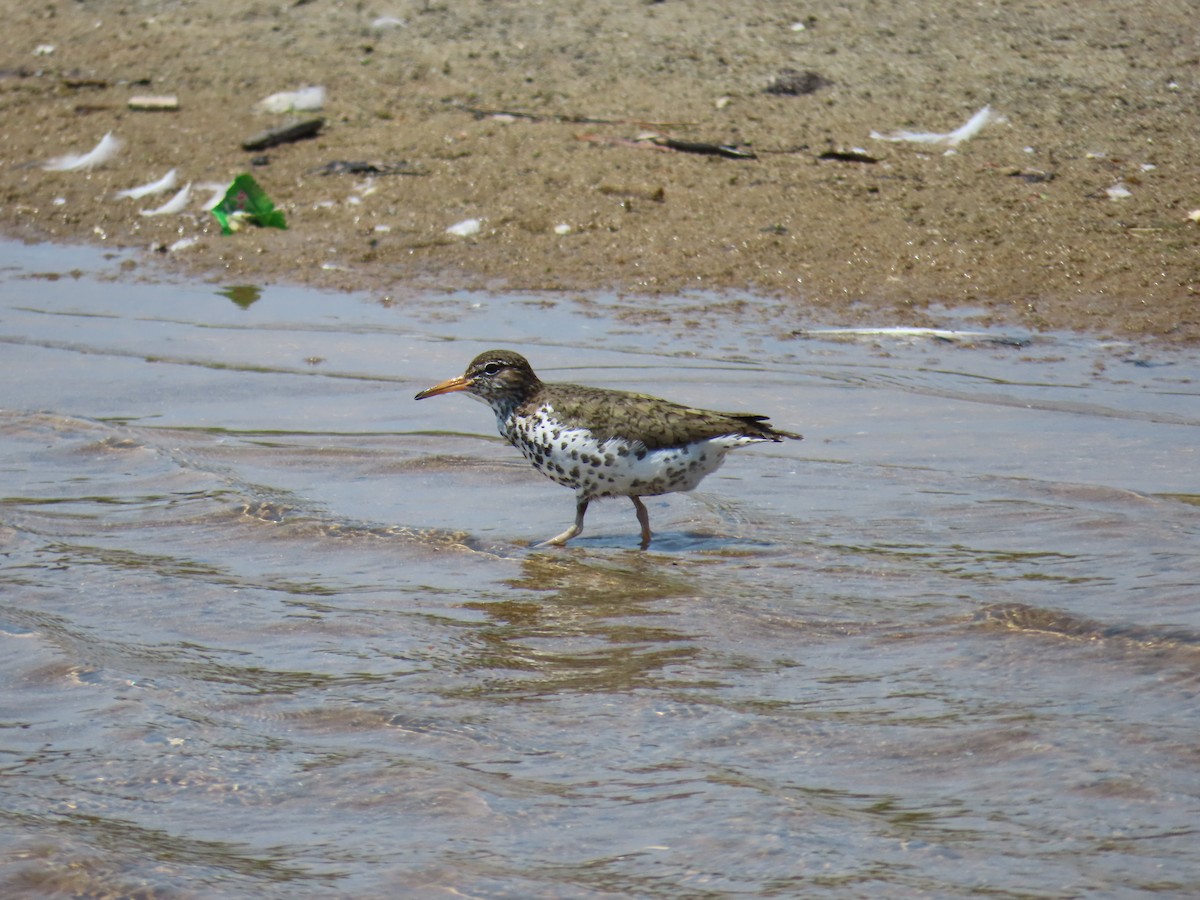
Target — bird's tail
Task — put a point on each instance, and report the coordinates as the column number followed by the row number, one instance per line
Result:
column 759, row 427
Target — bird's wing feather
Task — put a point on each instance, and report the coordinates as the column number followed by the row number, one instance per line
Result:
column 652, row 421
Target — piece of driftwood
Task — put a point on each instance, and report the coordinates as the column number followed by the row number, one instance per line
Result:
column 666, row 145
column 285, row 134
column 480, row 112
column 729, row 151
column 848, row 156
column 165, row 103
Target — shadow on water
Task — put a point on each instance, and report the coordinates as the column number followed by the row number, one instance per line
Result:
column 270, row 625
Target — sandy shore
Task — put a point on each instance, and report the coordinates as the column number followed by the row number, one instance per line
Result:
column 548, row 125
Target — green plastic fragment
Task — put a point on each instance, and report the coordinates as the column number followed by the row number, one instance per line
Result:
column 245, row 201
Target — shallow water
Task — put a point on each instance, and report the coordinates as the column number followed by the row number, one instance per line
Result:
column 271, row 628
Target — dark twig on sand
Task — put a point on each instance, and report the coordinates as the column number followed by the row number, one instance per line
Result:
column 285, row 134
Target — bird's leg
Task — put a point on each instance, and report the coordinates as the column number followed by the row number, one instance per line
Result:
column 643, row 520
column 580, row 508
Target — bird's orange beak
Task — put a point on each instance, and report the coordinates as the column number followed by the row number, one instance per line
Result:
column 449, row 386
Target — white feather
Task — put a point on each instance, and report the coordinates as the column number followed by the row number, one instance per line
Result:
column 217, row 193
column 465, row 228
column 176, row 204
column 108, row 147
column 154, row 187
column 306, row 99
column 953, row 138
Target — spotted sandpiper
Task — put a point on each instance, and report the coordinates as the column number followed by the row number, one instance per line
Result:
column 604, row 443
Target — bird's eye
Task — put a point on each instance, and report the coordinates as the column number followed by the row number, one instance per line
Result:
column 492, row 369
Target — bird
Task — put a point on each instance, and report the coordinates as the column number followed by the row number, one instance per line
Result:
column 602, row 442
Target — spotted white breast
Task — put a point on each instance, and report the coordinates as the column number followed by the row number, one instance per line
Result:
column 615, row 467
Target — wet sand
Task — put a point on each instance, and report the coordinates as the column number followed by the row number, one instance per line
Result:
column 534, row 119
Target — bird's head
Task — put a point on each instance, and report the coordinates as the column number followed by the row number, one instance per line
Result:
column 497, row 377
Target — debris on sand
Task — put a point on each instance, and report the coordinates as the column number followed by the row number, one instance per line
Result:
column 853, row 155
column 363, row 167
column 164, row 103
column 792, row 83
column 285, row 134
column 704, row 148
column 245, row 201
column 465, row 228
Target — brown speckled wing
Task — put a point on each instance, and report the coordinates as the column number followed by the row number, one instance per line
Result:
column 655, row 422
